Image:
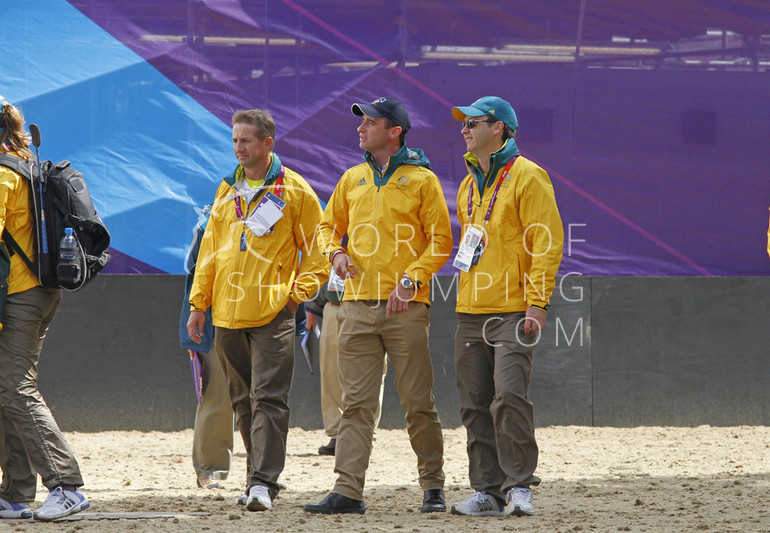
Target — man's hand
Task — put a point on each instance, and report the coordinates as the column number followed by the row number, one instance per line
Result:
column 343, row 266
column 534, row 320
column 195, row 325
column 312, row 321
column 292, row 305
column 398, row 301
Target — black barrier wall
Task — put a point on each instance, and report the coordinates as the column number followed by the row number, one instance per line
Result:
column 616, row 352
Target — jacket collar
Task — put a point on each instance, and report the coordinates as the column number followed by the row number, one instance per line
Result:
column 404, row 156
column 497, row 161
column 272, row 173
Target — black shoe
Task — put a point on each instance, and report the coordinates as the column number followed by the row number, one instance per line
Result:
column 433, row 501
column 329, row 449
column 336, row 503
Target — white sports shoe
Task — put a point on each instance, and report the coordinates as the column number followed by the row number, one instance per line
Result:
column 242, row 499
column 14, row 510
column 60, row 503
column 259, row 499
column 519, row 502
column 478, row 504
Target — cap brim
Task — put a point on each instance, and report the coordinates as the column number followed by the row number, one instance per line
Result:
column 459, row 113
column 366, row 109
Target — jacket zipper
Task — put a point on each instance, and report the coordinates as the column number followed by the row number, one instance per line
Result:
column 374, row 220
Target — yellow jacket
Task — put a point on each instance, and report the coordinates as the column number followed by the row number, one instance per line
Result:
column 524, row 238
column 16, row 217
column 397, row 223
column 247, row 288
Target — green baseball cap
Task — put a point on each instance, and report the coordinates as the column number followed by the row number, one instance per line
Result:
column 493, row 106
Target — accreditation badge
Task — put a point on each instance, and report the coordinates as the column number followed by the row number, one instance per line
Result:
column 336, row 283
column 267, row 213
column 468, row 246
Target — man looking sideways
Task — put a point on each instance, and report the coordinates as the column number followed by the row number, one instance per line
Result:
column 393, row 210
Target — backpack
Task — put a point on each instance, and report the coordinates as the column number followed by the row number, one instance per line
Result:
column 63, row 195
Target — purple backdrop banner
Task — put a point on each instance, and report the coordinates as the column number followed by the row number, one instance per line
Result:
column 651, row 117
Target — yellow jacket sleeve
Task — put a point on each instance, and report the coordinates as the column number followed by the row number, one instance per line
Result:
column 314, row 270
column 334, row 222
column 543, row 235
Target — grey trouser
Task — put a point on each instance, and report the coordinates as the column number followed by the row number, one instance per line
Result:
column 331, row 392
column 30, row 439
column 365, row 335
column 213, row 437
column 493, row 365
column 259, row 365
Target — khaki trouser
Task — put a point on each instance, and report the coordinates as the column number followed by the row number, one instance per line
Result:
column 213, row 437
column 259, row 365
column 30, row 439
column 365, row 335
column 493, row 364
column 331, row 391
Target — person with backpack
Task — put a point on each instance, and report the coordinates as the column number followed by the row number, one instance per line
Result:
column 30, row 439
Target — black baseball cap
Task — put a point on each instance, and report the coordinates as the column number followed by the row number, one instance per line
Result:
column 385, row 108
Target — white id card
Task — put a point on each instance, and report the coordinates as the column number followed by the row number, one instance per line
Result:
column 267, row 213
column 336, row 283
column 468, row 245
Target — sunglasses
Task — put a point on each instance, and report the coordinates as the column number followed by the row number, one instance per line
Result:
column 471, row 123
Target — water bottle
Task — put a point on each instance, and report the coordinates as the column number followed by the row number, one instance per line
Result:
column 69, row 268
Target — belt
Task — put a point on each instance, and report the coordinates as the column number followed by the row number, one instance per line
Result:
column 336, row 303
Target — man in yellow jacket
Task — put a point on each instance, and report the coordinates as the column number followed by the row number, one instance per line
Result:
column 250, row 273
column 510, row 252
column 393, row 210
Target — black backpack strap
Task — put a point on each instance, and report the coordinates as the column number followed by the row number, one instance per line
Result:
column 13, row 247
column 18, row 165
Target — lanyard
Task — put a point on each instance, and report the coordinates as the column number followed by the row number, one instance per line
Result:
column 278, row 189
column 503, row 175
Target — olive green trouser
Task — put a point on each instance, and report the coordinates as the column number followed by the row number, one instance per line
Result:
column 493, row 365
column 30, row 438
column 259, row 365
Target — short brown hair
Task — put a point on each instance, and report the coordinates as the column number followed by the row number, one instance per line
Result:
column 259, row 118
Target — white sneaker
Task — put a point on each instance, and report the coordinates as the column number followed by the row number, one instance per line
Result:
column 14, row 510
column 478, row 504
column 61, row 503
column 241, row 500
column 519, row 502
column 259, row 499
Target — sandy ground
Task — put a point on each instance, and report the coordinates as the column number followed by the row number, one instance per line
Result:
column 594, row 479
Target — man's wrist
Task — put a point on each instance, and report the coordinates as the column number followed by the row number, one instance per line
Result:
column 334, row 254
column 407, row 283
